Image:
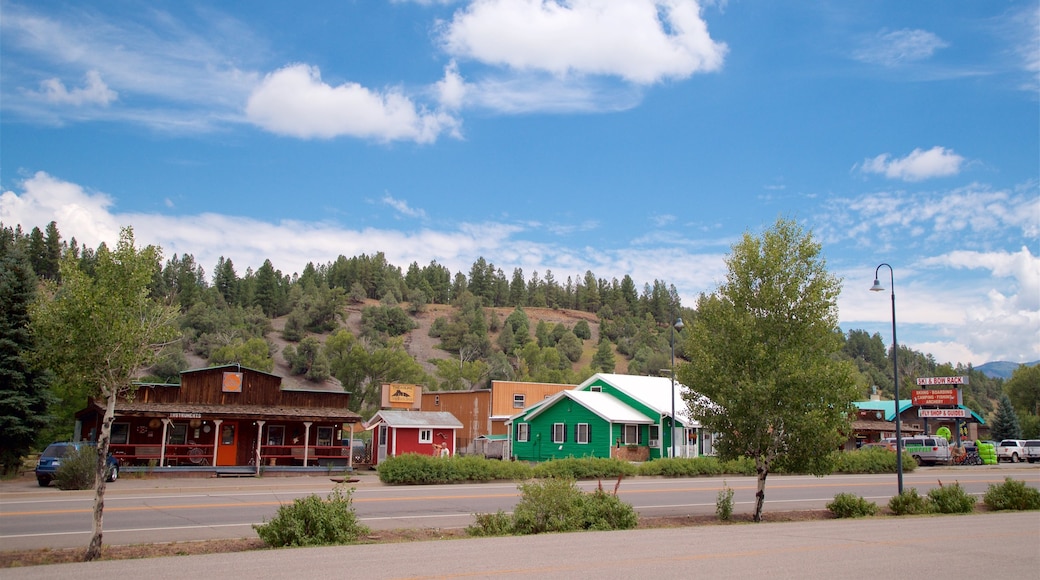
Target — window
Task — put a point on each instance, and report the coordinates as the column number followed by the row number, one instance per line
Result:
column 631, row 434
column 276, row 434
column 120, row 433
column 559, row 433
column 522, row 430
column 324, row 436
column 178, row 434
column 518, row 400
column 382, row 435
column 596, row 389
column 581, row 433
column 425, row 435
column 655, row 432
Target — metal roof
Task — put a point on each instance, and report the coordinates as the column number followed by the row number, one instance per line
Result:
column 429, row 419
column 603, row 405
column 654, row 392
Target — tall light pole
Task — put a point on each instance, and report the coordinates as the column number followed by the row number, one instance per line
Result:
column 895, row 370
column 677, row 326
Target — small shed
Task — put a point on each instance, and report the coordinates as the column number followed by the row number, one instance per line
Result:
column 424, row 432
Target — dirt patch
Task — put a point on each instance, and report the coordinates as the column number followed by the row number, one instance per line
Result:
column 18, row 558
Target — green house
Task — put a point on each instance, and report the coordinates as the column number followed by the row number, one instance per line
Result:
column 624, row 416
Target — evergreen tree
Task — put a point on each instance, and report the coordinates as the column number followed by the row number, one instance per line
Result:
column 24, row 391
column 603, row 361
column 1005, row 421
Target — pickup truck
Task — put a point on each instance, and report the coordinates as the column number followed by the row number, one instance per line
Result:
column 1013, row 450
column 1032, row 449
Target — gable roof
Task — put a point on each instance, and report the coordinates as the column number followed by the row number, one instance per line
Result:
column 889, row 408
column 602, row 405
column 654, row 392
column 425, row 419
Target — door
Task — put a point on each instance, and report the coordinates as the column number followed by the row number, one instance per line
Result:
column 227, row 443
column 381, row 452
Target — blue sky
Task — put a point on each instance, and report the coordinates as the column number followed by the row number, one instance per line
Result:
column 631, row 137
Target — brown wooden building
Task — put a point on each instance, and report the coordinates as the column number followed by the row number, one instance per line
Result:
column 229, row 416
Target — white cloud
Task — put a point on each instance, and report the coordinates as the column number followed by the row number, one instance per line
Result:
column 93, row 92
column 451, row 90
column 1022, row 267
column 402, row 207
column 917, row 166
column 893, row 48
column 295, row 101
column 640, row 41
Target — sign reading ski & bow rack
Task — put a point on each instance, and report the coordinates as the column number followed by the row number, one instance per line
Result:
column 929, row 381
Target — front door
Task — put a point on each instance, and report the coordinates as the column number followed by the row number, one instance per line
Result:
column 227, row 443
column 381, row 448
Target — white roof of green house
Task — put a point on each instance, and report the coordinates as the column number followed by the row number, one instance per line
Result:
column 654, row 392
column 602, row 405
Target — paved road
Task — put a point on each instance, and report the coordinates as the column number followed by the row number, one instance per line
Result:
column 932, row 547
column 164, row 509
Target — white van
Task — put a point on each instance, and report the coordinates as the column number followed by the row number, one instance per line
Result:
column 927, row 449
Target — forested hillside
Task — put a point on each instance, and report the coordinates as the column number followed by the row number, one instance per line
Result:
column 360, row 322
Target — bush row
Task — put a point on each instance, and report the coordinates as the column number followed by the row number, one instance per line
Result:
column 557, row 505
column 415, row 469
column 945, row 499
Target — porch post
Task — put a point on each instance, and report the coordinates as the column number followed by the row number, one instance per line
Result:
column 259, row 442
column 216, row 439
column 350, row 447
column 162, row 446
column 306, row 440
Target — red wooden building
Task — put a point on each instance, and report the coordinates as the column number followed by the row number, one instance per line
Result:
column 423, row 432
column 228, row 416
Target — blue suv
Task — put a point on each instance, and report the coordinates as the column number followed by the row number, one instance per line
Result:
column 50, row 461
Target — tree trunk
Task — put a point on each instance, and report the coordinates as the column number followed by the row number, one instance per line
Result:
column 100, row 476
column 760, row 495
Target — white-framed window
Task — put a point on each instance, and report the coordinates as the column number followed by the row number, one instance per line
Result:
column 324, row 437
column 582, row 433
column 559, row 433
column 596, row 389
column 518, row 400
column 120, row 433
column 425, row 435
column 522, row 431
column 631, row 435
column 655, row 432
column 276, row 434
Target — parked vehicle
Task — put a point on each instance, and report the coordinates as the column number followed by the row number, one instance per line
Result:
column 1032, row 449
column 50, row 461
column 927, row 449
column 1012, row 450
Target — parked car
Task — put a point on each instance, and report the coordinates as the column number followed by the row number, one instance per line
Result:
column 926, row 449
column 1012, row 450
column 1032, row 449
column 50, row 461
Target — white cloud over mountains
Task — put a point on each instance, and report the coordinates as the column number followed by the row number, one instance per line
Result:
column 993, row 315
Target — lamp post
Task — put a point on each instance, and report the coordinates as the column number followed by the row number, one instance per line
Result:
column 895, row 370
column 677, row 326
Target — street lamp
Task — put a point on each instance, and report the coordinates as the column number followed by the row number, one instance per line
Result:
column 895, row 370
column 677, row 326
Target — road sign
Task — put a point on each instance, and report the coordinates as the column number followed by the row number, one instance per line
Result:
column 927, row 381
column 935, row 397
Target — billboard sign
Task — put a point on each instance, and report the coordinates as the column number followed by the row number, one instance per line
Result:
column 935, row 397
column 943, row 413
column 930, row 381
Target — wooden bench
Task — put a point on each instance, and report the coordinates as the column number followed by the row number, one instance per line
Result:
column 297, row 455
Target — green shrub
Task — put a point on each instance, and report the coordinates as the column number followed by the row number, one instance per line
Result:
column 416, row 469
column 497, row 524
column 682, row 467
column 557, row 505
column 584, row 468
column 951, row 499
column 739, row 466
column 551, row 505
column 78, row 468
column 312, row 521
column 724, row 503
column 848, row 505
column 909, row 503
column 1012, row 495
column 870, row 460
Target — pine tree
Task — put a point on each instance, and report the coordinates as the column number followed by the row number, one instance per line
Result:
column 24, row 391
column 1005, row 421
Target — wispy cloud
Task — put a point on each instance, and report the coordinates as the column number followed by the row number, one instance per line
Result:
column 93, row 92
column 898, row 47
column 403, row 208
column 917, row 166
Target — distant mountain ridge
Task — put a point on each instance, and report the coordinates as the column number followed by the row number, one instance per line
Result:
column 1002, row 369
